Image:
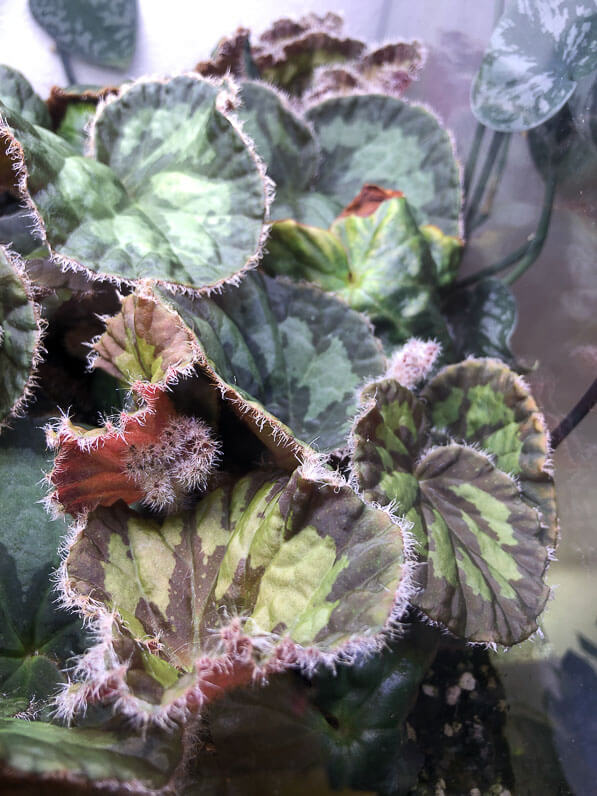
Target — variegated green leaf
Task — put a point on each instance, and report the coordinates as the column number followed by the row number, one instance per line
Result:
column 284, row 141
column 174, row 192
column 266, row 572
column 73, row 755
column 17, row 93
column 291, row 349
column 382, row 140
column 446, row 251
column 380, row 265
column 361, row 139
column 482, row 402
column 484, row 561
column 36, row 638
column 75, row 123
column 100, row 32
column 537, row 53
column 20, row 333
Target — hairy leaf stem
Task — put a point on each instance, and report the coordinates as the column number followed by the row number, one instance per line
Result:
column 471, row 163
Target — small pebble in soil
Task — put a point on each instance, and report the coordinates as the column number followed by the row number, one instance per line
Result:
column 453, row 694
column 467, row 682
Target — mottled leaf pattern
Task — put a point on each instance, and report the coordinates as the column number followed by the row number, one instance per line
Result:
column 362, row 139
column 145, row 759
column 290, row 348
column 380, row 265
column 264, row 573
column 382, row 140
column 20, row 333
column 482, row 402
column 484, row 558
column 100, row 31
column 536, row 55
column 174, row 192
column 36, row 638
column 17, row 93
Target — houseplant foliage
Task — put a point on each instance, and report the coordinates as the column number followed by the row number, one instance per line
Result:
column 299, row 477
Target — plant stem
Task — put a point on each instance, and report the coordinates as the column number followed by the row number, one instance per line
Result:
column 471, row 163
column 494, row 148
column 501, row 265
column 536, row 244
column 67, row 66
column 493, row 184
column 575, row 415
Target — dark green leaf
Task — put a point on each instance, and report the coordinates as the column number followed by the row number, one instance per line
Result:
column 36, row 638
column 102, row 32
column 537, row 53
column 20, row 333
column 482, row 320
column 298, row 352
column 17, row 93
column 146, row 759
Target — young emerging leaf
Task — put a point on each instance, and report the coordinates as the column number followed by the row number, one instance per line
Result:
column 361, row 139
column 480, row 541
column 174, row 192
column 20, row 335
column 154, row 455
column 536, row 55
column 267, row 572
column 379, row 263
column 36, row 639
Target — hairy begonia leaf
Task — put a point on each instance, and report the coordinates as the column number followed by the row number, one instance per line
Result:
column 361, row 139
column 67, row 754
column 103, row 33
column 482, row 319
column 536, row 55
column 383, row 140
column 20, row 333
column 380, row 265
column 484, row 560
column 155, row 455
column 290, row 348
column 284, row 141
column 146, row 341
column 16, row 92
column 483, row 403
column 289, row 51
column 36, row 638
column 266, row 572
column 174, row 192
